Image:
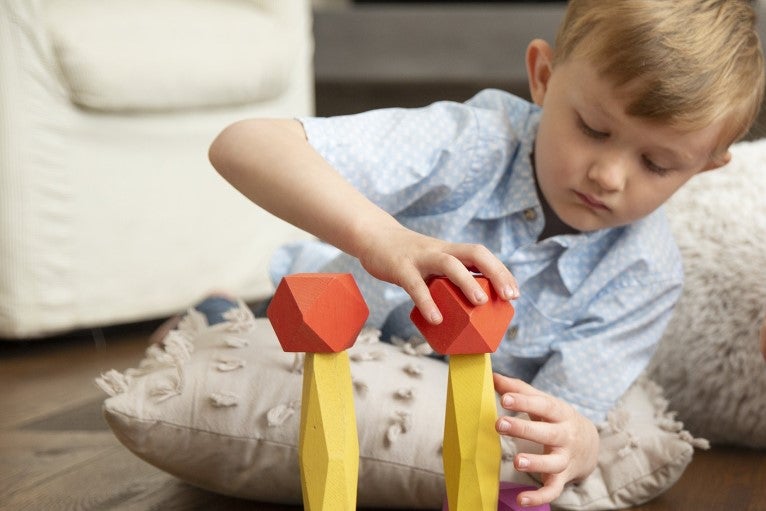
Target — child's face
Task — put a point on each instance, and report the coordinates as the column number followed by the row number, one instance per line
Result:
column 596, row 166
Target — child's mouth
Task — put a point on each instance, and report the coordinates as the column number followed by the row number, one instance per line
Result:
column 591, row 202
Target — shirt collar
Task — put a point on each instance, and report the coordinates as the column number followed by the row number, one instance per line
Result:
column 517, row 192
column 581, row 254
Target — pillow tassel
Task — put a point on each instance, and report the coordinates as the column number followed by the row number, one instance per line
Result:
column 368, row 335
column 360, row 387
column 280, row 413
column 415, row 346
column 223, row 399
column 414, row 370
column 228, row 364
column 699, row 443
column 401, row 424
column 297, row 366
column 405, row 394
column 367, row 356
column 113, row 382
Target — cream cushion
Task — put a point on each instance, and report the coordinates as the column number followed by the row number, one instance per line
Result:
column 708, row 361
column 219, row 407
column 145, row 55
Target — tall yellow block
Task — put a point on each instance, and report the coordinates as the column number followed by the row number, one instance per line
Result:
column 469, row 333
column 328, row 446
column 471, row 452
column 321, row 314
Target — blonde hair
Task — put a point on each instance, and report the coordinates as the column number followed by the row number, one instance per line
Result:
column 686, row 62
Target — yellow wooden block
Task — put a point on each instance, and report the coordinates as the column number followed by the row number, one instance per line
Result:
column 471, row 451
column 329, row 445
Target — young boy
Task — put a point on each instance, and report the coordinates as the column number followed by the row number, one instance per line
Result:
column 555, row 202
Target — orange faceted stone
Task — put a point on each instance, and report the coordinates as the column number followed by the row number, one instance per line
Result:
column 466, row 328
column 317, row 312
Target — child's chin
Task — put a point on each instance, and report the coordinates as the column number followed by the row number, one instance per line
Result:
column 587, row 223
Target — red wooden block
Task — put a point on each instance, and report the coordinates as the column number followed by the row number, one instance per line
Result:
column 317, row 312
column 466, row 328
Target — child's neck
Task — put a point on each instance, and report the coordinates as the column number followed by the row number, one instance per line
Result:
column 553, row 224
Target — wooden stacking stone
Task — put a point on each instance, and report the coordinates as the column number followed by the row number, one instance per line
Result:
column 468, row 334
column 322, row 315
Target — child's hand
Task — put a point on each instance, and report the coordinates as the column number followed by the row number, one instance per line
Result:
column 570, row 441
column 407, row 259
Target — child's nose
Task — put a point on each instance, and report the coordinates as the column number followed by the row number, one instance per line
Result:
column 609, row 173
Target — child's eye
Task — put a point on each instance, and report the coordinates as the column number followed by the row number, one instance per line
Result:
column 653, row 167
column 590, row 132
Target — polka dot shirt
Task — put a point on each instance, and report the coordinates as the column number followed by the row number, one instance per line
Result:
column 593, row 305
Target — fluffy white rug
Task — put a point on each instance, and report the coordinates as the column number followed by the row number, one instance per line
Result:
column 709, row 361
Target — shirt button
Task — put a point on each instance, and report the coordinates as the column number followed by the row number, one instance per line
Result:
column 530, row 214
column 512, row 332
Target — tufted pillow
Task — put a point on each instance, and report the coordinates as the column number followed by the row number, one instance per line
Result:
column 709, row 361
column 219, row 407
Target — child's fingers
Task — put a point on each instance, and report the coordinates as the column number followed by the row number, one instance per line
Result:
column 459, row 275
column 504, row 384
column 414, row 285
column 481, row 259
column 501, row 278
column 539, row 432
column 553, row 487
column 541, row 406
column 552, row 463
column 453, row 262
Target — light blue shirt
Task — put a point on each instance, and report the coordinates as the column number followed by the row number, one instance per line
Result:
column 593, row 305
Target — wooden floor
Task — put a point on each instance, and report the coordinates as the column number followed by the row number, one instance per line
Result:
column 56, row 452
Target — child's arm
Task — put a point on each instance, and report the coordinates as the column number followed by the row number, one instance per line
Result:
column 570, row 441
column 271, row 163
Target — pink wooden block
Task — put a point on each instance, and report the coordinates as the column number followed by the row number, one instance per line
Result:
column 507, row 499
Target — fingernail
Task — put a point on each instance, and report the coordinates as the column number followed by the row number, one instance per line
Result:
column 509, row 293
column 436, row 317
column 480, row 296
column 524, row 501
column 504, row 426
column 507, row 401
column 523, row 462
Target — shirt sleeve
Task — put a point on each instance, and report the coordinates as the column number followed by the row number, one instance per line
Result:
column 597, row 359
column 402, row 159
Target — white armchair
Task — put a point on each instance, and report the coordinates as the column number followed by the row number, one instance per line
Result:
column 109, row 209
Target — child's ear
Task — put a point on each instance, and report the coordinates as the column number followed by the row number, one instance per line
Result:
column 539, row 68
column 718, row 161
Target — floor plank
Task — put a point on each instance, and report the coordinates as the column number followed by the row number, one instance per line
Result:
column 724, row 478
column 56, row 374
column 28, row 459
column 88, row 471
